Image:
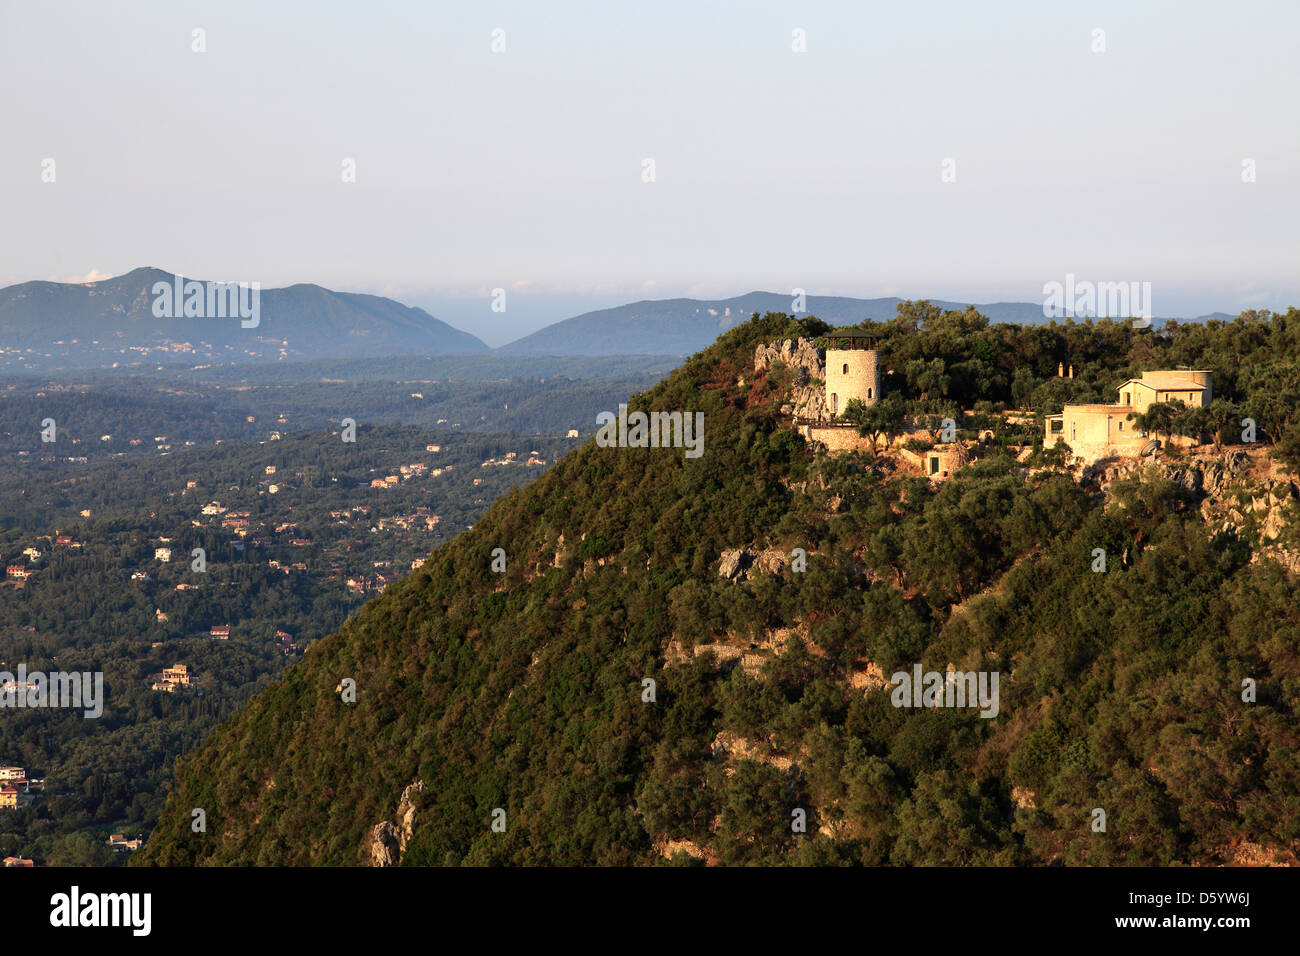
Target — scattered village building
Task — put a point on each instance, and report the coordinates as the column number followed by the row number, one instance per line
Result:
column 286, row 642
column 162, row 554
column 18, row 572
column 219, row 632
column 944, row 459
column 177, row 674
column 1096, row 431
column 172, row 678
column 17, row 861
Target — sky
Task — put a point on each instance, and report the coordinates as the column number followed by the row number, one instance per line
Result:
column 930, row 149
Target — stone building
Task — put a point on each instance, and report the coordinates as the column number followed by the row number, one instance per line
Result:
column 852, row 370
column 1100, row 431
column 1192, row 387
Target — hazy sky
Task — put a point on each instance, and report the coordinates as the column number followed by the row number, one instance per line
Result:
column 773, row 169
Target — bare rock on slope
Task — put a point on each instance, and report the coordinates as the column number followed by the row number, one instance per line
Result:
column 388, row 839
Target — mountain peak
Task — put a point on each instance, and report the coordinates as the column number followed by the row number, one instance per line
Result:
column 111, row 322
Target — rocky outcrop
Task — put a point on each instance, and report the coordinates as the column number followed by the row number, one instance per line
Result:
column 1253, row 854
column 1290, row 560
column 1024, row 798
column 1231, row 500
column 729, row 746
column 384, row 848
column 808, row 391
column 1211, row 477
column 798, row 354
column 668, row 848
column 388, row 839
column 735, row 565
column 871, row 678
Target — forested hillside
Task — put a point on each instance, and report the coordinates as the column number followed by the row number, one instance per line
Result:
column 523, row 691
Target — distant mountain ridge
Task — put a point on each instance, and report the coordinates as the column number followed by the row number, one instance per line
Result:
column 49, row 325
column 685, row 326
column 52, row 324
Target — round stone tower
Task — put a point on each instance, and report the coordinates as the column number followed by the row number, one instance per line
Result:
column 852, row 370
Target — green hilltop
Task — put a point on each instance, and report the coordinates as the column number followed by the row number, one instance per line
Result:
column 525, row 691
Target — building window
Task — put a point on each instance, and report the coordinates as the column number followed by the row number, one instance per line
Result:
column 846, row 368
column 868, row 393
column 934, row 465
column 835, row 403
column 1121, row 426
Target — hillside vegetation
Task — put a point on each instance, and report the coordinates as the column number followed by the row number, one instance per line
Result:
column 523, row 691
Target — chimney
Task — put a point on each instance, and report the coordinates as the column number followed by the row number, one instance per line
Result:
column 1060, row 370
column 1071, row 371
